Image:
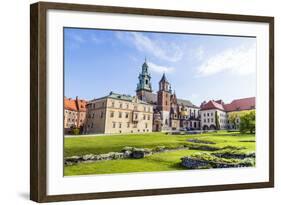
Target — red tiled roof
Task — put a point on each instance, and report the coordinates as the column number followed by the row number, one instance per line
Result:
column 241, row 104
column 212, row 105
column 75, row 104
column 235, row 105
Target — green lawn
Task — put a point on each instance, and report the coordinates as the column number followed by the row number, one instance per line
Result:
column 157, row 162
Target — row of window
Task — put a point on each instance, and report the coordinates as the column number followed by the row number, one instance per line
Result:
column 127, row 106
column 121, row 106
column 70, row 112
column 119, row 125
column 222, row 121
column 93, row 115
column 72, row 120
column 209, row 120
column 127, row 124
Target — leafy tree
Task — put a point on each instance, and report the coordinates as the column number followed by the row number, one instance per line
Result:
column 217, row 120
column 232, row 118
column 75, row 131
column 248, row 122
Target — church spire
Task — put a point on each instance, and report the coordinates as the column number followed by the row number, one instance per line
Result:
column 144, row 78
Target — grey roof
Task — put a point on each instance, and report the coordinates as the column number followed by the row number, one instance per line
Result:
column 121, row 97
column 164, row 79
column 186, row 103
column 152, row 98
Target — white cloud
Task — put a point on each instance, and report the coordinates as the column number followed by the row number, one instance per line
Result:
column 159, row 69
column 194, row 96
column 240, row 61
column 96, row 39
column 199, row 53
column 78, row 38
column 163, row 50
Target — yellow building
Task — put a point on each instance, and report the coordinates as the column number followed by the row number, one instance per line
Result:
column 117, row 113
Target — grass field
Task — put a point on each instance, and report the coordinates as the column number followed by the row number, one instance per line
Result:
column 165, row 161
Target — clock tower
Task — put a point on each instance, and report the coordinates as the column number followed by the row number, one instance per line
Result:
column 144, row 85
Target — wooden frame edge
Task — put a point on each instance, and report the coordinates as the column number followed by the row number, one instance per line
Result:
column 38, row 101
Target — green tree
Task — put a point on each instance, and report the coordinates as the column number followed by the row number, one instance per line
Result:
column 248, row 122
column 75, row 131
column 232, row 118
column 217, row 120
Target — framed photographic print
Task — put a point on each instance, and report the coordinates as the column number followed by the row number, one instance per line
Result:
column 135, row 102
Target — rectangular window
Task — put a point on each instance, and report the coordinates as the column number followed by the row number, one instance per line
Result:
column 120, row 125
column 120, row 114
column 101, row 115
column 128, row 124
column 120, row 105
column 144, row 117
column 113, row 124
column 127, row 115
column 111, row 114
column 146, row 125
column 148, row 117
column 93, row 116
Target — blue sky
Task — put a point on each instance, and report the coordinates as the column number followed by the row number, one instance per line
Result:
column 199, row 67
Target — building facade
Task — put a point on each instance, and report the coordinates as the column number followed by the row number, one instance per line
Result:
column 74, row 114
column 116, row 113
column 216, row 114
column 149, row 111
column 169, row 112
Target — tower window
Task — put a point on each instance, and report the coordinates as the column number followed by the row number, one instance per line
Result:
column 146, row 82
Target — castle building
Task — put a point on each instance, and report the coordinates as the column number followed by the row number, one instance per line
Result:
column 149, row 111
column 116, row 113
column 216, row 114
column 74, row 114
column 170, row 113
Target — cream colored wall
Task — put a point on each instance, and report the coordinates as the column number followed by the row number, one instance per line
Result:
column 81, row 118
column 70, row 118
column 96, row 112
column 222, row 118
column 125, row 124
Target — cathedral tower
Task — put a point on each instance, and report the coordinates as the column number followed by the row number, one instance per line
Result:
column 164, row 101
column 164, row 94
column 144, row 85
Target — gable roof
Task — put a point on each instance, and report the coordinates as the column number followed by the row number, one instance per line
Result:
column 241, row 104
column 75, row 104
column 212, row 105
column 235, row 105
column 120, row 97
